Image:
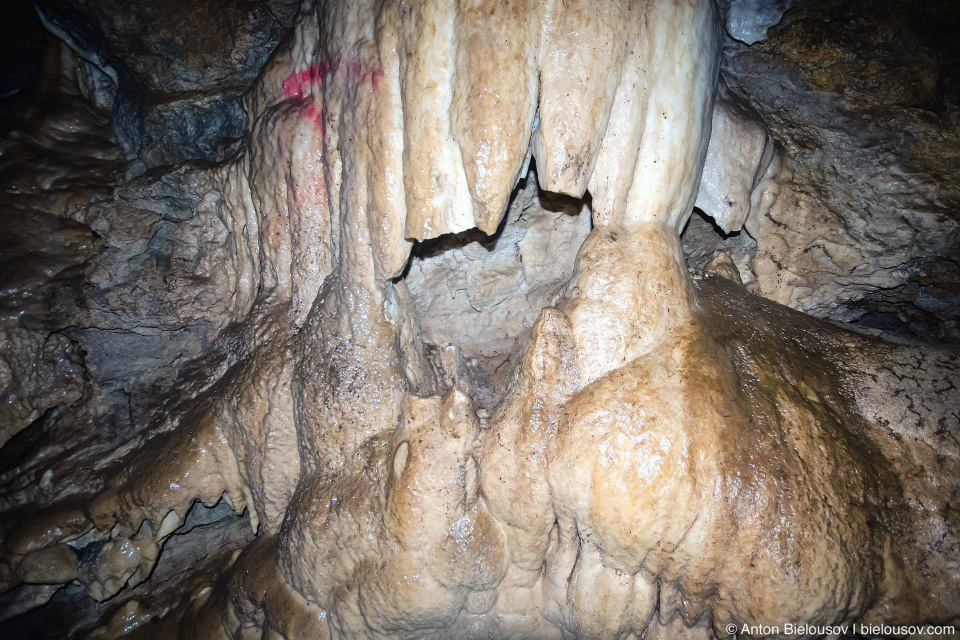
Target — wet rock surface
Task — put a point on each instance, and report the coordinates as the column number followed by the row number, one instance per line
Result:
column 864, row 226
column 265, row 371
column 480, row 295
column 173, row 73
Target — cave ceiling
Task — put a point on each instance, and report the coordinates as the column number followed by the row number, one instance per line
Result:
column 527, row 319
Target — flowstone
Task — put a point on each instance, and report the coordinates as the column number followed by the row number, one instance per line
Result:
column 455, row 405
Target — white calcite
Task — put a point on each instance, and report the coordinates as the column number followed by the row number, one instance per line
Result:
column 748, row 20
column 740, row 155
column 654, row 460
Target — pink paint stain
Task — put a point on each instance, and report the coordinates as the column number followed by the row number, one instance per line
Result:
column 315, row 190
column 375, row 77
column 300, row 84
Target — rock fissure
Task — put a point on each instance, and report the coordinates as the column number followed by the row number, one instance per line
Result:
column 413, row 346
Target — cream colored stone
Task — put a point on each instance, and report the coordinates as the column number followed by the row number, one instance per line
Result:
column 741, row 151
column 662, row 460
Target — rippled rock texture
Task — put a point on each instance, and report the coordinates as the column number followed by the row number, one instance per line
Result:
column 862, row 224
column 456, row 320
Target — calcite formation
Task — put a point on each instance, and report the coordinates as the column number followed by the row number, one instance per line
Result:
column 553, row 433
column 862, row 224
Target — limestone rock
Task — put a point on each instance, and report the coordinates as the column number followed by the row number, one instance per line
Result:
column 176, row 71
column 862, row 223
column 344, row 370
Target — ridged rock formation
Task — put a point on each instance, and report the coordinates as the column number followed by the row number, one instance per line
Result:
column 451, row 404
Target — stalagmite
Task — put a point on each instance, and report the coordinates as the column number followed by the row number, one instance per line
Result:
column 645, row 454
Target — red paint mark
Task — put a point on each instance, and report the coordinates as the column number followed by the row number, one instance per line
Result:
column 300, row 83
column 375, row 77
column 312, row 113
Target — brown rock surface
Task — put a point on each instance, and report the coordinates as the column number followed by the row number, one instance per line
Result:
column 863, row 222
column 292, row 392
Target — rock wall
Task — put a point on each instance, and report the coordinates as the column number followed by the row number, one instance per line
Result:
column 340, row 361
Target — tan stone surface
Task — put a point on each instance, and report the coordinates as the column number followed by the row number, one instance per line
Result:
column 636, row 457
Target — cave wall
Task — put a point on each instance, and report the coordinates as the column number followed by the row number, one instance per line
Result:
column 195, row 259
